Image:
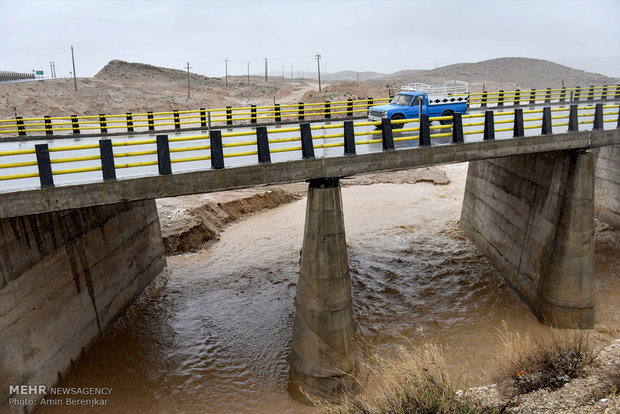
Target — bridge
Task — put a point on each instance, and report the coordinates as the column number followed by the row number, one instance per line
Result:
column 80, row 236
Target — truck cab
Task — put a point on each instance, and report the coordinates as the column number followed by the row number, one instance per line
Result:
column 431, row 100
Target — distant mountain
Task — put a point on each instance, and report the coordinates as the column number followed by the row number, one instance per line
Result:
column 353, row 75
column 508, row 72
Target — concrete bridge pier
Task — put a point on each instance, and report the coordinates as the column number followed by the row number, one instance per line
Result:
column 321, row 362
column 533, row 218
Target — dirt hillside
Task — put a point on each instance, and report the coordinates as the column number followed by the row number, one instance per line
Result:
column 121, row 87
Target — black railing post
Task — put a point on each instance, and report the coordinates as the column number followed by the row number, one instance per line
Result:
column 425, row 131
column 370, row 102
column 604, row 93
column 74, row 124
column 573, row 119
column 591, row 93
column 129, row 117
column 307, row 147
column 457, row 128
column 500, row 98
column 253, row 114
column 386, row 134
column 617, row 94
column 262, row 143
column 150, row 120
column 300, row 111
column 203, row 118
column 228, row 115
column 328, row 112
column 518, row 130
column 177, row 119
column 350, row 107
column 517, row 100
column 21, row 129
column 103, row 124
column 483, row 100
column 577, row 94
column 598, row 116
column 163, row 155
column 533, row 97
column 349, row 138
column 107, row 159
column 563, row 94
column 45, row 166
column 278, row 113
column 48, row 125
column 217, row 151
column 548, row 96
column 547, row 125
column 489, row 126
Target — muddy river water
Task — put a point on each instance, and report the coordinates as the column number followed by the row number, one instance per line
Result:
column 213, row 334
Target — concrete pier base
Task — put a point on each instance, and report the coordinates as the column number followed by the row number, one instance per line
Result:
column 321, row 361
column 533, row 218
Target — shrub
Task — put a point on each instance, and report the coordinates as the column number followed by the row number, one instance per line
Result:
column 414, row 381
column 548, row 361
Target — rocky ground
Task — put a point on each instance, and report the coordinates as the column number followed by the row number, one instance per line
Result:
column 595, row 393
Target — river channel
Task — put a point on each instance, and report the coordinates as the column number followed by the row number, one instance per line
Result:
column 212, row 334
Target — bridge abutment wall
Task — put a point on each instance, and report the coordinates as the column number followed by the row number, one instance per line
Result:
column 533, row 218
column 607, row 185
column 64, row 277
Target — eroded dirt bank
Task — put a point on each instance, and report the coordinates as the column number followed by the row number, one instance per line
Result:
column 190, row 223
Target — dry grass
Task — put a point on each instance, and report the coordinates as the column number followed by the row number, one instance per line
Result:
column 414, row 381
column 545, row 361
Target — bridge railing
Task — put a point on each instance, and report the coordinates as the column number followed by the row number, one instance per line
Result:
column 202, row 118
column 109, row 159
column 274, row 114
column 549, row 95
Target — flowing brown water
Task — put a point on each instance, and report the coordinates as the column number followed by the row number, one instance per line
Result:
column 213, row 335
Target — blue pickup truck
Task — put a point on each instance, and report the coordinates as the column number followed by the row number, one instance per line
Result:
column 434, row 100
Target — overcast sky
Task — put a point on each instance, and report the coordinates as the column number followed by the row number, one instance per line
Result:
column 378, row 35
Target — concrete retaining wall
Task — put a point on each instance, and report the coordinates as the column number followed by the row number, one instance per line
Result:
column 533, row 217
column 607, row 185
column 64, row 277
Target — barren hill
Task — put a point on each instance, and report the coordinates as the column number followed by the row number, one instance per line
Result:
column 121, row 87
column 508, row 73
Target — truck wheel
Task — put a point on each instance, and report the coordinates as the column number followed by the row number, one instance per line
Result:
column 448, row 112
column 395, row 117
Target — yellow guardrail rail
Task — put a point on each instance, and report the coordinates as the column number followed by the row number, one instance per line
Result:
column 277, row 113
column 196, row 119
column 108, row 156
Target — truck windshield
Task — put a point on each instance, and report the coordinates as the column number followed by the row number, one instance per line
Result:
column 401, row 99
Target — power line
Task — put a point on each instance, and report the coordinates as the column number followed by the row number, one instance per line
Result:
column 74, row 77
column 318, row 58
column 188, row 68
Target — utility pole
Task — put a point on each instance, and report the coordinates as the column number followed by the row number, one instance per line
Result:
column 265, row 69
column 248, row 72
column 318, row 65
column 226, row 60
column 188, row 80
column 74, row 77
